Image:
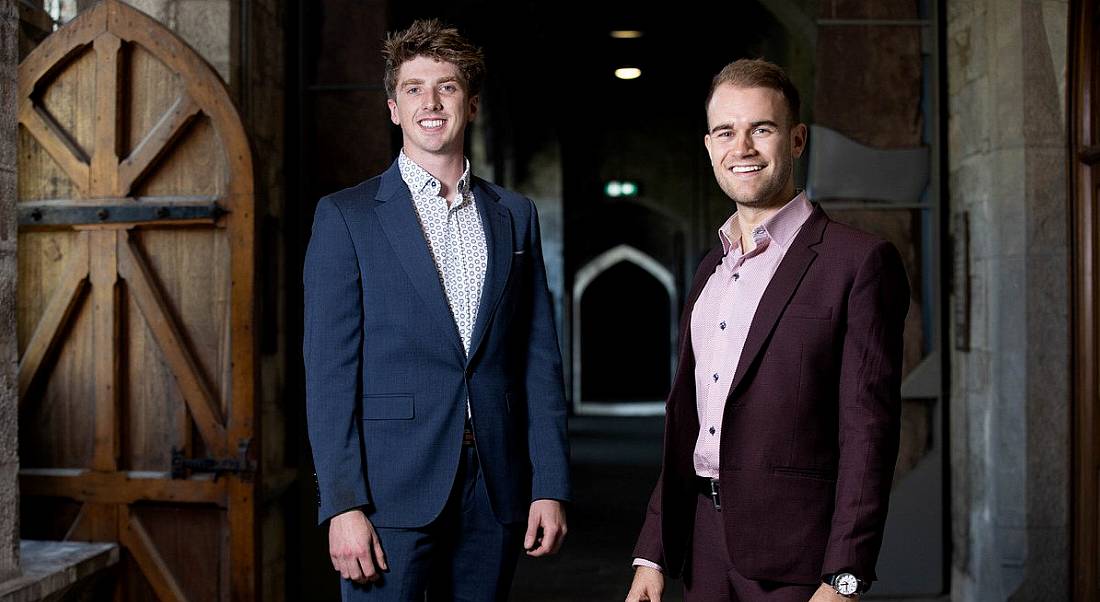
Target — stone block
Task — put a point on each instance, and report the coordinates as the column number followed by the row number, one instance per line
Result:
column 969, row 121
column 9, row 519
column 62, row 570
column 205, row 25
column 1047, row 576
column 1054, row 18
column 8, row 190
column 967, row 52
column 1047, row 206
column 157, row 9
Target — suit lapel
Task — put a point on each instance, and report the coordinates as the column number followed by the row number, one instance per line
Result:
column 398, row 219
column 779, row 291
column 497, row 223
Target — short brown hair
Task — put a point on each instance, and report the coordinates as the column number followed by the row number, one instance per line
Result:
column 430, row 38
column 758, row 73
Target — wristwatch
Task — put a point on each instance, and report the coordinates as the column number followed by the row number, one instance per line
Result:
column 847, row 585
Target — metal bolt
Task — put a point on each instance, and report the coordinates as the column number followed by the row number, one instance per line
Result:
column 162, row 212
column 36, row 215
column 102, row 214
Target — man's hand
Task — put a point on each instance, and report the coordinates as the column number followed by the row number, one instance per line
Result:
column 648, row 585
column 354, row 547
column 827, row 593
column 545, row 528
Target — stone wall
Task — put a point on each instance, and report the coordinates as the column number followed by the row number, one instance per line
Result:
column 9, row 422
column 1010, row 395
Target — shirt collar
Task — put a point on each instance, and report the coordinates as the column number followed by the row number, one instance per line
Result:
column 420, row 181
column 780, row 228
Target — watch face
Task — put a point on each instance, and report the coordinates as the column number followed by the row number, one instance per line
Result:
column 846, row 584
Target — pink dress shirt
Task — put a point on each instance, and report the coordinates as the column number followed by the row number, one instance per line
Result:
column 722, row 315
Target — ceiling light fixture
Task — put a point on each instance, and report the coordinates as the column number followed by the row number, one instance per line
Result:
column 628, row 73
column 626, row 34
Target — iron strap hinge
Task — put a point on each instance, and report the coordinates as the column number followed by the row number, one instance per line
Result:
column 242, row 465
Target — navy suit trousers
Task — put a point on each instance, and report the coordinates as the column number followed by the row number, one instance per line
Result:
column 464, row 555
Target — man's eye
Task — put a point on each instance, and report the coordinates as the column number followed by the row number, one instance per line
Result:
column 725, row 134
column 412, row 90
column 449, row 88
column 761, row 131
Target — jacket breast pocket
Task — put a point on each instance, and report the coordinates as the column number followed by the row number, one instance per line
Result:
column 812, row 311
column 388, row 407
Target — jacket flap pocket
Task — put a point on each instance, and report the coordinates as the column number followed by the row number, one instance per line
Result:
column 388, row 407
column 809, row 310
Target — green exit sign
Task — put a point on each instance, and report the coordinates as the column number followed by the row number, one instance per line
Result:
column 620, row 188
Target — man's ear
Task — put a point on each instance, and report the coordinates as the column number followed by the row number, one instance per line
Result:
column 473, row 107
column 394, row 116
column 706, row 143
column 799, row 134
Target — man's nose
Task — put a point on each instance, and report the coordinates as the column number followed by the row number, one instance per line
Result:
column 431, row 101
column 743, row 145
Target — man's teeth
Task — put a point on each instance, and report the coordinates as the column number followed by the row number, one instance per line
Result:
column 432, row 123
column 746, row 168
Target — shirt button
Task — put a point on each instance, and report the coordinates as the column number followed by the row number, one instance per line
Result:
column 712, row 430
column 722, row 325
column 715, row 377
column 736, row 275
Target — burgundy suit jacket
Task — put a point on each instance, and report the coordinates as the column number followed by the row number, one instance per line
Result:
column 811, row 425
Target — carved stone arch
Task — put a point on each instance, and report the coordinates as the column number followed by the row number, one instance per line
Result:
column 585, row 277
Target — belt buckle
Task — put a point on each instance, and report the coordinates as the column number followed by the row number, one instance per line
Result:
column 714, row 495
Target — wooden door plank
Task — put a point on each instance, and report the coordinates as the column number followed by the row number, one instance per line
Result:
column 105, row 334
column 157, row 142
column 104, row 174
column 152, row 565
column 169, row 336
column 58, row 144
column 96, row 521
column 121, row 487
column 49, row 330
column 63, row 44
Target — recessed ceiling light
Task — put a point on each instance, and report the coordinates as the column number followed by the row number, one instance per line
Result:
column 628, row 73
column 626, row 34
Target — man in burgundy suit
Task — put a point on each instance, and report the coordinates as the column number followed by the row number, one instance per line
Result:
column 781, row 429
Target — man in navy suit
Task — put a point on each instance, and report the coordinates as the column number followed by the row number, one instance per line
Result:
column 433, row 376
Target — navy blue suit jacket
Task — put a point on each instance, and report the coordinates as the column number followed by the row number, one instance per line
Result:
column 386, row 377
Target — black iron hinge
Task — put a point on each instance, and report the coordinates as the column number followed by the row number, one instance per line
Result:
column 242, row 465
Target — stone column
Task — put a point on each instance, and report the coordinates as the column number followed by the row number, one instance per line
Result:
column 1010, row 398
column 9, row 414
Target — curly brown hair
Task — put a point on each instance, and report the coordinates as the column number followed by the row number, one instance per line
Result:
column 430, row 38
column 758, row 73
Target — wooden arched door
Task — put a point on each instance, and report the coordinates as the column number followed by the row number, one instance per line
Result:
column 136, row 308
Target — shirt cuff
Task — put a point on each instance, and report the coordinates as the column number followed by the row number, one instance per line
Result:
column 650, row 565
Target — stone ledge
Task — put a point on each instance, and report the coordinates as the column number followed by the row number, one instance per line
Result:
column 50, row 568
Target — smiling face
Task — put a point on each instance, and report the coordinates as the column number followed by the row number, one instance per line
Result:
column 432, row 107
column 753, row 144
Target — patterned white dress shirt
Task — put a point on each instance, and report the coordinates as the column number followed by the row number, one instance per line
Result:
column 456, row 239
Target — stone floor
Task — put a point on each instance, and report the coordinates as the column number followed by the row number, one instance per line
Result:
column 615, row 464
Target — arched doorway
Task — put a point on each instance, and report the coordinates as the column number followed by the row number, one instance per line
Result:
column 624, row 334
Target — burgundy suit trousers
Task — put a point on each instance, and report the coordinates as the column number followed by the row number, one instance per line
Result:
column 710, row 577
